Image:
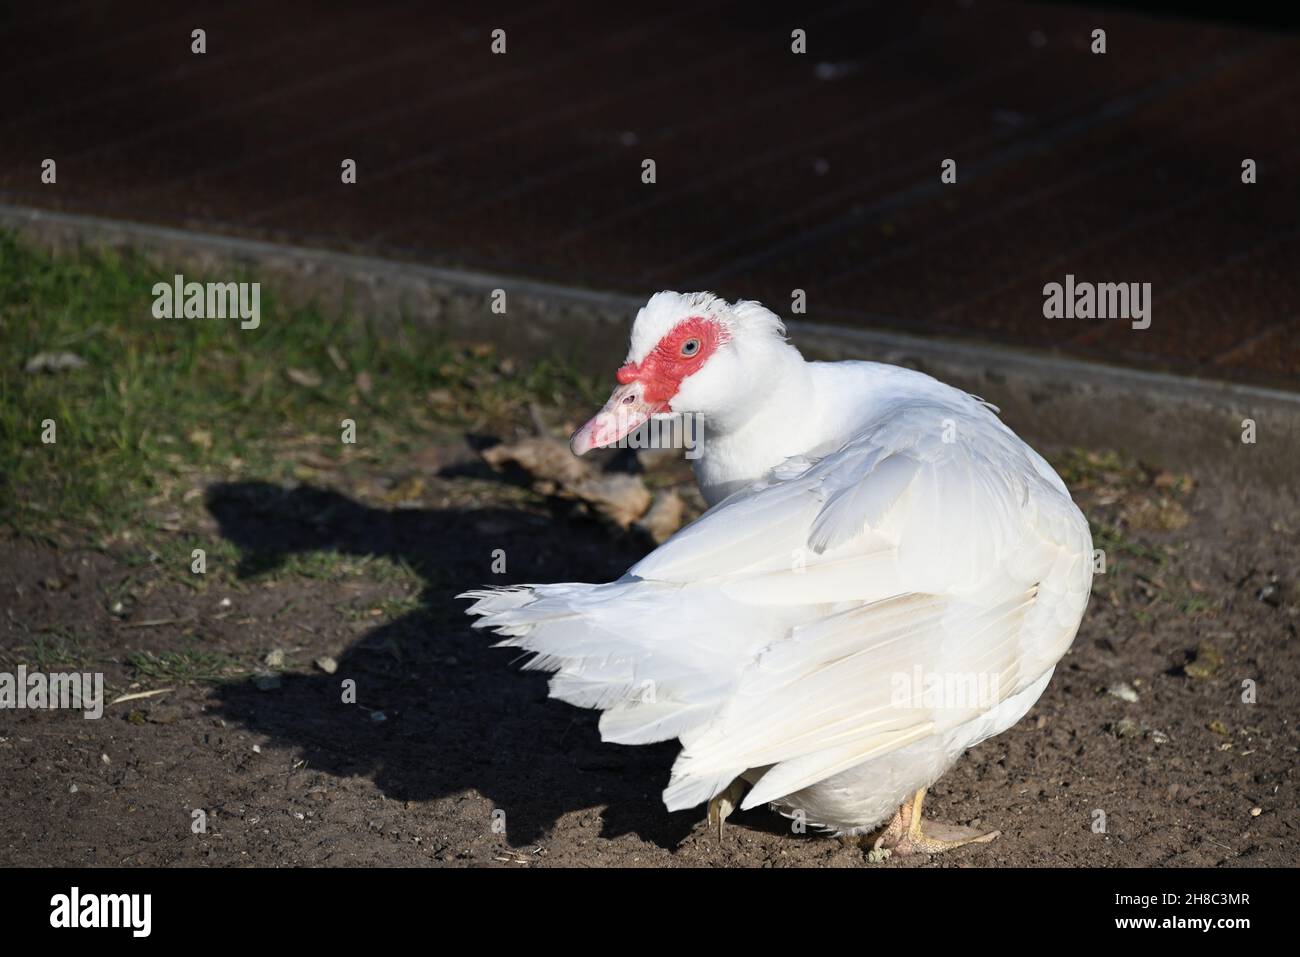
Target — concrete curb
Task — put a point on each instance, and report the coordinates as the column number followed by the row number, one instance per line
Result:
column 1175, row 421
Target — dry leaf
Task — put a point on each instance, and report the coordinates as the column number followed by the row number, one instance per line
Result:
column 543, row 458
column 557, row 471
column 665, row 516
column 54, row 362
column 303, row 377
column 622, row 498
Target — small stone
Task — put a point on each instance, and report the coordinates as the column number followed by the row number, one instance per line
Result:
column 1126, row 728
column 1205, row 664
column 275, row 659
column 1159, row 737
column 266, row 681
column 378, row 716
column 73, row 789
column 257, row 749
column 1122, row 691
column 1256, row 811
column 1270, row 594
column 326, row 664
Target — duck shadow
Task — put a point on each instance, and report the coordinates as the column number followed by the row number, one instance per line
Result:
column 437, row 710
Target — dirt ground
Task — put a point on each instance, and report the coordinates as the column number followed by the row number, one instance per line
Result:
column 451, row 756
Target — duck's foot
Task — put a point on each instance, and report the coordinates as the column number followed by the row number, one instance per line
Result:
column 720, row 807
column 904, row 835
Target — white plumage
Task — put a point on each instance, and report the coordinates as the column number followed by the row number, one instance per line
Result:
column 887, row 576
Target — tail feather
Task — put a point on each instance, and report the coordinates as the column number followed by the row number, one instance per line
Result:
column 607, row 649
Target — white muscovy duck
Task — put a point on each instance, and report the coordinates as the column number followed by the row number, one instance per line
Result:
column 887, row 575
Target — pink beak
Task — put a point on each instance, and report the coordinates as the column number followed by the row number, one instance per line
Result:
column 625, row 412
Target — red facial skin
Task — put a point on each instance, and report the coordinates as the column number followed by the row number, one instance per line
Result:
column 662, row 371
column 649, row 387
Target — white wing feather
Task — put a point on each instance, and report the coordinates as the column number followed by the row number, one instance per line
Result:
column 772, row 632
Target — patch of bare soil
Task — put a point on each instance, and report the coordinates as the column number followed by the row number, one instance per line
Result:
column 1146, row 748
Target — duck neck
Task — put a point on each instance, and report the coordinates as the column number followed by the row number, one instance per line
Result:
column 776, row 420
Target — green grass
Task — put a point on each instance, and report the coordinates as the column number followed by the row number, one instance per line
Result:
column 164, row 406
column 188, row 665
column 387, row 608
column 1086, row 469
column 1194, row 605
column 55, row 649
column 336, row 566
column 1112, row 541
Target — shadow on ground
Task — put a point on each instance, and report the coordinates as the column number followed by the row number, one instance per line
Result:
column 456, row 715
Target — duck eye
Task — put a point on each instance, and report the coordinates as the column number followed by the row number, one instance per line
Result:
column 690, row 347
